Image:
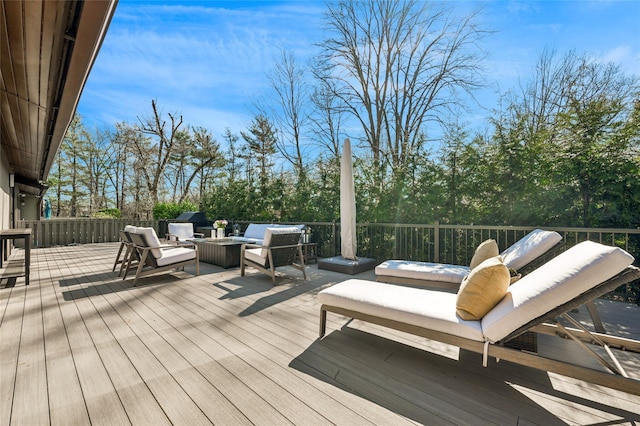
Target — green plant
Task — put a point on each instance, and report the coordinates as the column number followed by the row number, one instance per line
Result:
column 107, row 214
column 172, row 210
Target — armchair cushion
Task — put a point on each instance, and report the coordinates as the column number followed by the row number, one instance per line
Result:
column 255, row 232
column 255, row 255
column 175, row 255
column 150, row 238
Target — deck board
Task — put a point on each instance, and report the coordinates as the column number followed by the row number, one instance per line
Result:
column 81, row 346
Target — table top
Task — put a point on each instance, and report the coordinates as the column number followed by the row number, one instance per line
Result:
column 220, row 241
column 15, row 232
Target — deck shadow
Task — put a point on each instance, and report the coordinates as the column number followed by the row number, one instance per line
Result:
column 429, row 388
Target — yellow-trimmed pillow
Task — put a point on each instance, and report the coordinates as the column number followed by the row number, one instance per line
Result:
column 485, row 250
column 482, row 289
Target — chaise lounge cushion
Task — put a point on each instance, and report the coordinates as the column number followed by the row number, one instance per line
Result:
column 521, row 253
column 529, row 248
column 485, row 250
column 556, row 282
column 485, row 286
column 432, row 309
column 440, row 272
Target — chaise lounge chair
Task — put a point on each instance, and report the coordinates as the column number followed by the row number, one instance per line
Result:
column 582, row 273
column 154, row 256
column 448, row 277
column 281, row 247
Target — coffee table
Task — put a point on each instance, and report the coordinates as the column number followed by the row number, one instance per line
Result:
column 222, row 252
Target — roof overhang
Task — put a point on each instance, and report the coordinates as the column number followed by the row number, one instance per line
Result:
column 48, row 49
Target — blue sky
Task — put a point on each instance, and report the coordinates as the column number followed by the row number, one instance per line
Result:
column 208, row 60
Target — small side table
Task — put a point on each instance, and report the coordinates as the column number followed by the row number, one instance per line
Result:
column 16, row 234
column 309, row 252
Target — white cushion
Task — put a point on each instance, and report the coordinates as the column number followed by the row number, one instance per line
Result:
column 175, row 255
column 529, row 248
column 521, row 253
column 440, row 272
column 181, row 230
column 556, row 282
column 255, row 231
column 151, row 239
column 255, row 255
column 432, row 309
column 130, row 228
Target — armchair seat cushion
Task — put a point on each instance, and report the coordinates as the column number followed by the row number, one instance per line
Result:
column 255, row 255
column 175, row 255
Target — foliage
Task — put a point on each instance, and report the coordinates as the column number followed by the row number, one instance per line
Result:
column 172, row 210
column 112, row 213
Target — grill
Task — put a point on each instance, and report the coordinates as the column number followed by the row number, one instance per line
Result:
column 198, row 219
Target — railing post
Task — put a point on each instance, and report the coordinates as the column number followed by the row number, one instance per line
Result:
column 334, row 239
column 436, row 241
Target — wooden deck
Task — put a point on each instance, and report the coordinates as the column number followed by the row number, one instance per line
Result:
column 80, row 346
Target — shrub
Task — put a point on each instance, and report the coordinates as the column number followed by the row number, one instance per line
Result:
column 172, row 210
column 107, row 214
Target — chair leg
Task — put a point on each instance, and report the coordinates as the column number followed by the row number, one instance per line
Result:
column 271, row 267
column 143, row 257
column 242, row 261
column 127, row 259
column 118, row 257
column 304, row 270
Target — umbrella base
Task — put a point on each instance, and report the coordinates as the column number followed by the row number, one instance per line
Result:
column 347, row 266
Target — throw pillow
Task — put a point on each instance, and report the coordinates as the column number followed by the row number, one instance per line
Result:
column 482, row 289
column 485, row 250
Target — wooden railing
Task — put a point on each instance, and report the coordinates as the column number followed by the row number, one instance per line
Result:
column 61, row 232
column 430, row 243
column 454, row 243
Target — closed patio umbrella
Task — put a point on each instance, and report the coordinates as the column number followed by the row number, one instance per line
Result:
column 347, row 204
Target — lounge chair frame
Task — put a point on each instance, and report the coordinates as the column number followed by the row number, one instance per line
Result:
column 546, row 324
column 147, row 263
column 125, row 245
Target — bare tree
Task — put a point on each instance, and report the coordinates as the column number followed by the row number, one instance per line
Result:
column 160, row 150
column 204, row 152
column 291, row 92
column 328, row 117
column 397, row 66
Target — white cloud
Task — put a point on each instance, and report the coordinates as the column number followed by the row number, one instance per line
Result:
column 625, row 57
